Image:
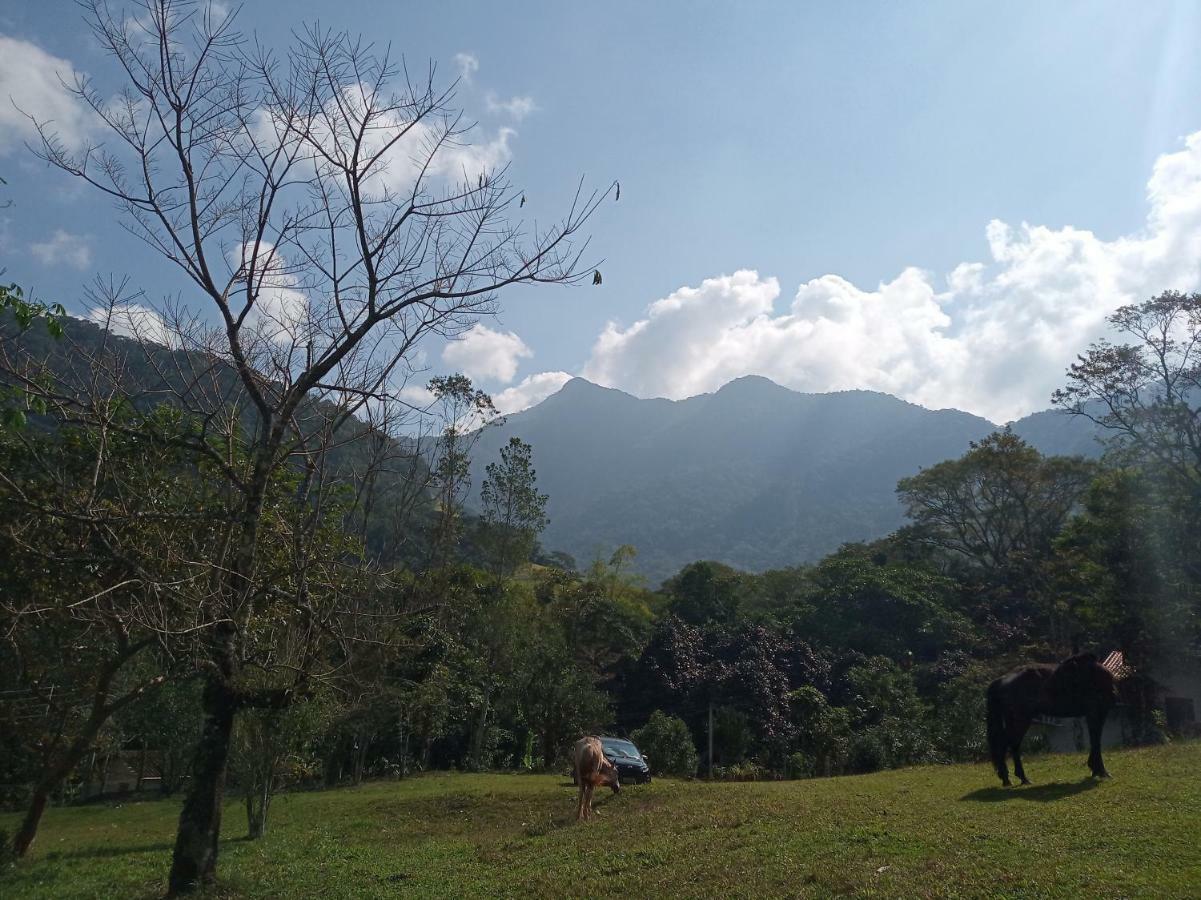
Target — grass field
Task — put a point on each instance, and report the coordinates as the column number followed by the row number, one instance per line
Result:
column 924, row 832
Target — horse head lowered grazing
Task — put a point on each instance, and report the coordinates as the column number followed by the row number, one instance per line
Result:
column 591, row 769
column 1078, row 686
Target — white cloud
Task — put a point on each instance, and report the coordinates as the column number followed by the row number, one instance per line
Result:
column 516, row 108
column 135, row 321
column 281, row 311
column 529, row 391
column 31, row 84
column 484, row 353
column 996, row 341
column 468, row 64
column 63, row 249
column 341, row 134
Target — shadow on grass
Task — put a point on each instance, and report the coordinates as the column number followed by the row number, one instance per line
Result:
column 108, row 852
column 1040, row 793
column 128, row 850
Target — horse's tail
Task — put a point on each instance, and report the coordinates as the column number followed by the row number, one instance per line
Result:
column 997, row 738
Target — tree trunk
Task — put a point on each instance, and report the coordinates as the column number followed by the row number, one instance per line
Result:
column 33, row 816
column 194, row 863
column 481, row 729
column 258, row 803
column 53, row 777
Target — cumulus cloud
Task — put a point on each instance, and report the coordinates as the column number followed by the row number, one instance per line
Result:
column 484, row 353
column 529, row 391
column 31, row 84
column 516, row 108
column 993, row 337
column 63, row 249
column 135, row 321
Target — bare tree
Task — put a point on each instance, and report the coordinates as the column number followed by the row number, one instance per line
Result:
column 329, row 213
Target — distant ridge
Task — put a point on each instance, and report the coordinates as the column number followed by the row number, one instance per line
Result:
column 753, row 474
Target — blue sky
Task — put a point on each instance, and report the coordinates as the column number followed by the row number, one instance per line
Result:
column 849, row 157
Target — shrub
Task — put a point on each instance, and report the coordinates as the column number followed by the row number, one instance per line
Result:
column 867, row 753
column 799, row 766
column 743, row 771
column 668, row 745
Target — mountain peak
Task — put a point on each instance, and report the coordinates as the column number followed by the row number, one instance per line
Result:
column 751, row 382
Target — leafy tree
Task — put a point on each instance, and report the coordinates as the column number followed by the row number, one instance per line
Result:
column 464, row 412
column 269, row 745
column 166, row 723
column 895, row 610
column 1116, row 573
column 823, row 731
column 1145, row 395
column 1001, row 501
column 667, row 745
column 885, row 705
column 996, row 512
column 514, row 513
column 704, row 592
column 91, row 520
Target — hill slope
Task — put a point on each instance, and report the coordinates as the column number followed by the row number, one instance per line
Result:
column 754, row 475
column 937, row 831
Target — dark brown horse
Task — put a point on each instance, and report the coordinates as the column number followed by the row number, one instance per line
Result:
column 1078, row 686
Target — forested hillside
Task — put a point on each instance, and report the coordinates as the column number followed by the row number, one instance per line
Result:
column 754, row 475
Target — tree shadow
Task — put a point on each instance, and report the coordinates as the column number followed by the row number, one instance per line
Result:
column 108, row 852
column 1039, row 793
column 127, row 850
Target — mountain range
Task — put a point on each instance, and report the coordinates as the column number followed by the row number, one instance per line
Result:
column 754, row 475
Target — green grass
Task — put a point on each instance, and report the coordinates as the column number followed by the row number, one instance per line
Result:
column 923, row 832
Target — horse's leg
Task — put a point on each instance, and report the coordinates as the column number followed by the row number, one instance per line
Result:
column 579, row 803
column 1096, row 724
column 588, row 799
column 1017, row 731
column 995, row 723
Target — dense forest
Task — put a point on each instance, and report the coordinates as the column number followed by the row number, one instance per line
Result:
column 239, row 550
column 456, row 641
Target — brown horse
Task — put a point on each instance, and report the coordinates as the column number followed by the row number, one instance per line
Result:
column 591, row 769
column 1078, row 686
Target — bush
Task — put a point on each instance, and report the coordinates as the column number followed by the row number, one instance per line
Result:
column 867, row 753
column 743, row 771
column 799, row 766
column 668, row 745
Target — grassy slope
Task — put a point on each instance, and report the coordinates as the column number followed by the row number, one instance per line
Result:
column 925, row 832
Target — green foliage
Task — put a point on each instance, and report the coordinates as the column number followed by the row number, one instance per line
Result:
column 891, row 609
column 272, row 748
column 705, row 592
column 667, row 743
column 823, row 732
column 514, row 513
column 890, row 719
column 1000, row 503
column 26, row 312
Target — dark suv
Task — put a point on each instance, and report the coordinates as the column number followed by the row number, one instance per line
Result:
column 632, row 766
